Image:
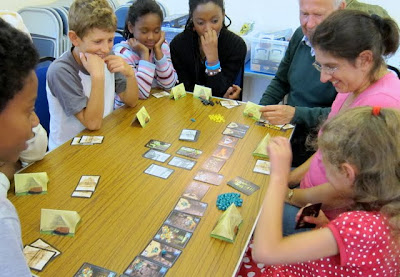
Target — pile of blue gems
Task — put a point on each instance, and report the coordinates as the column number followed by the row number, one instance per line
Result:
column 226, row 199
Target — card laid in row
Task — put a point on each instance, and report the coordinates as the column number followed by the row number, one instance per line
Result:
column 88, row 269
column 236, row 130
column 87, row 140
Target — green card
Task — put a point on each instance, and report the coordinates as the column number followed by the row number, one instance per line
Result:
column 178, row 92
column 202, row 92
column 142, row 116
column 252, row 110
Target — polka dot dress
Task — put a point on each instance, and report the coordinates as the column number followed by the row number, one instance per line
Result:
column 365, row 247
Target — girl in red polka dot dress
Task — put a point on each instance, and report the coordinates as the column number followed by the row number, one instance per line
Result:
column 361, row 152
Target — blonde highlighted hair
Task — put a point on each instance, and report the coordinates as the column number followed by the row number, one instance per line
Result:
column 85, row 15
column 371, row 143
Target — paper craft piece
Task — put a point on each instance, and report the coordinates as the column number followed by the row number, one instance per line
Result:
column 182, row 163
column 156, row 155
column 209, row 177
column 214, row 164
column 263, row 167
column 88, row 183
column 82, row 194
column 141, row 267
column 161, row 253
column 189, row 135
column 158, row 145
column 31, row 183
column 223, row 152
column 94, row 271
column 159, row 171
column 261, row 149
column 173, row 236
column 252, row 110
column 202, row 92
column 37, row 258
column 178, row 92
column 142, row 116
column 196, row 190
column 89, row 140
column 228, row 141
column 189, row 152
column 76, row 140
column 228, row 225
column 59, row 222
column 183, row 221
column 243, row 185
column 39, row 243
column 160, row 94
column 229, row 104
column 191, row 206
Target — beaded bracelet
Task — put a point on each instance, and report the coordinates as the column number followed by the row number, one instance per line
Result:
column 213, row 67
column 213, row 72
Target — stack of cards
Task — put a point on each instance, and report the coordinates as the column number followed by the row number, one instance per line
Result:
column 39, row 253
column 94, row 270
column 229, row 104
column 86, row 186
column 87, row 140
column 189, row 135
column 235, row 130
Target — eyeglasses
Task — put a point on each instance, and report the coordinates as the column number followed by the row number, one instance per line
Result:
column 328, row 70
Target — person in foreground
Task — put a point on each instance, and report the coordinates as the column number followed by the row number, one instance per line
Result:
column 361, row 152
column 349, row 49
column 18, row 90
column 81, row 84
column 206, row 53
column 145, row 48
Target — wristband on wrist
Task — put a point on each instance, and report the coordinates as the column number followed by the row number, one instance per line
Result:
column 213, row 67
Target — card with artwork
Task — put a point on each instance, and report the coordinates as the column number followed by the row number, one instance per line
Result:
column 87, row 183
column 228, row 141
column 178, row 92
column 182, row 163
column 37, row 258
column 223, row 152
column 191, row 206
column 229, row 104
column 243, row 185
column 209, row 177
column 82, row 194
column 189, row 135
column 59, row 222
column 76, row 141
column 161, row 253
column 94, row 271
column 90, row 140
column 213, row 164
column 40, row 243
column 202, row 92
column 263, row 167
column 183, row 221
column 31, row 183
column 195, row 190
column 234, row 133
column 189, row 152
column 142, row 116
column 140, row 267
column 238, row 126
column 173, row 236
column 156, row 155
column 158, row 145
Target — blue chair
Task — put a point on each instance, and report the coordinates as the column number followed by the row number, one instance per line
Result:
column 121, row 13
column 41, row 105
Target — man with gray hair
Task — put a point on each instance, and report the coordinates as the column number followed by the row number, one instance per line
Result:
column 309, row 100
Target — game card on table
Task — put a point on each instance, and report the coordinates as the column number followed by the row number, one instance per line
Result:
column 209, row 177
column 140, row 267
column 173, row 236
column 161, row 253
column 191, row 206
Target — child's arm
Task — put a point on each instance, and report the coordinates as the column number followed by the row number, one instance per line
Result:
column 92, row 116
column 270, row 247
column 117, row 64
column 165, row 73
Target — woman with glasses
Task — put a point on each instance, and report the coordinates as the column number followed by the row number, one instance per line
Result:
column 350, row 47
column 206, row 52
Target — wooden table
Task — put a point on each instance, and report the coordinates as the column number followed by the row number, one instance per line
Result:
column 128, row 206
